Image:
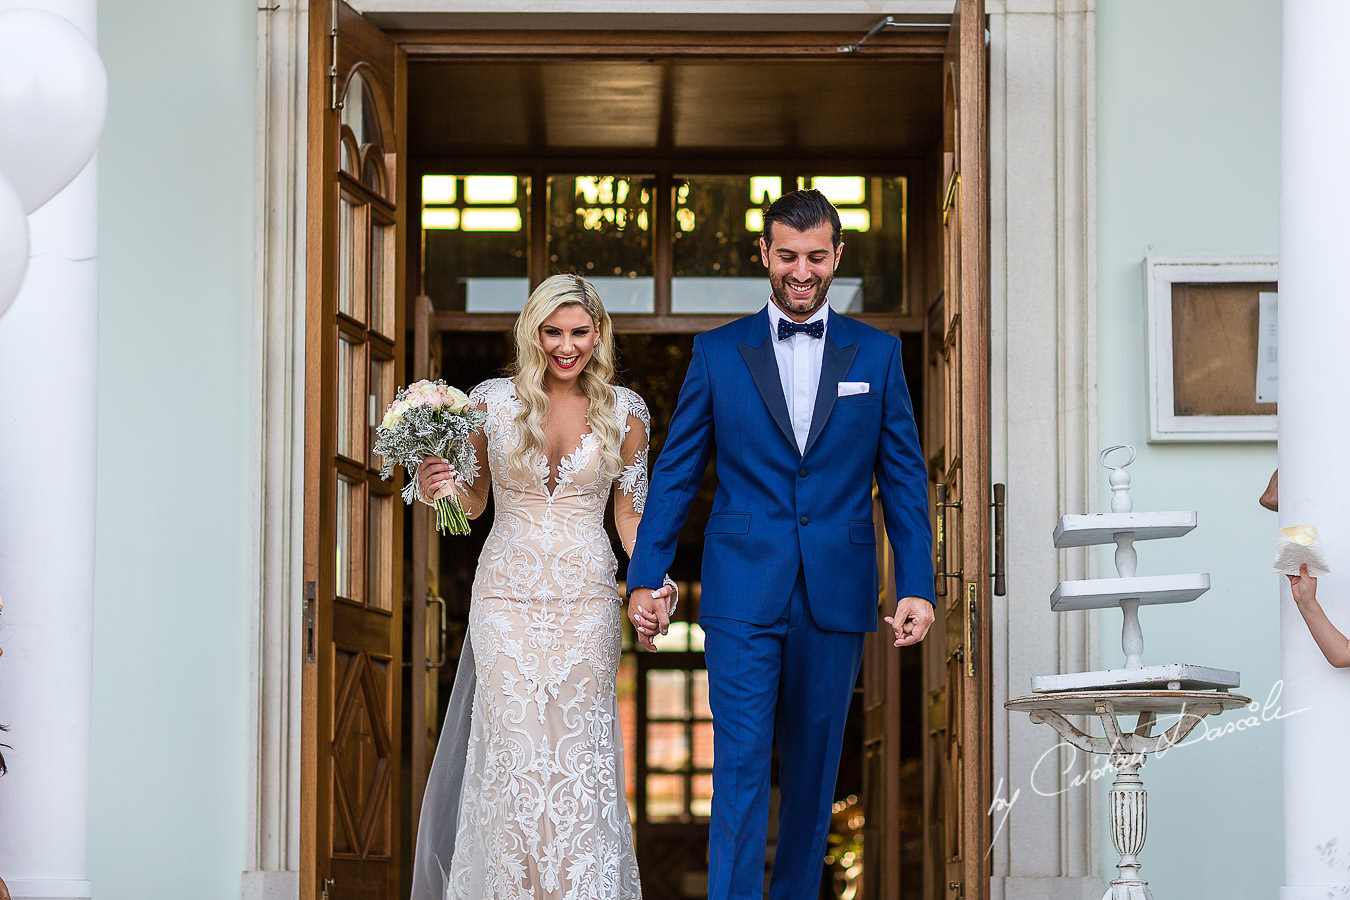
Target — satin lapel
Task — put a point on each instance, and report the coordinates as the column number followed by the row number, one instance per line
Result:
column 833, row 368
column 763, row 365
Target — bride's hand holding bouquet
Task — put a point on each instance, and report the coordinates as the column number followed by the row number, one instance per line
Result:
column 438, row 478
column 431, row 420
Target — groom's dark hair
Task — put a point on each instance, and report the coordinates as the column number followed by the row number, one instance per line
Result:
column 801, row 211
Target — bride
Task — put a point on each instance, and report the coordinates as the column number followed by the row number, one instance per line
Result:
column 526, row 793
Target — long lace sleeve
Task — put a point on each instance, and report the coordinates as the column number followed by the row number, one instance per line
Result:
column 476, row 483
column 631, row 494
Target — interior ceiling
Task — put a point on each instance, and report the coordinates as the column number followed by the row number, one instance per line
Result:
column 839, row 108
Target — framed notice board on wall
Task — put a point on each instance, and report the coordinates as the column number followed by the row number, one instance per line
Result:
column 1211, row 346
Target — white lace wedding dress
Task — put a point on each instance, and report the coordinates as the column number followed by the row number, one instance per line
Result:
column 542, row 811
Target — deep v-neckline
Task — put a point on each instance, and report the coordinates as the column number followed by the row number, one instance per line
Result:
column 554, row 473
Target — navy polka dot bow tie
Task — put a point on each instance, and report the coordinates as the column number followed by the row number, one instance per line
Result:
column 787, row 329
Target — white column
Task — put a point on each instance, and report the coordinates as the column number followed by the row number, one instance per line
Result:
column 48, row 440
column 1314, row 436
column 1043, row 302
column 272, row 848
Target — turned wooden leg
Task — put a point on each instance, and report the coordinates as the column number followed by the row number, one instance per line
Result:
column 1129, row 827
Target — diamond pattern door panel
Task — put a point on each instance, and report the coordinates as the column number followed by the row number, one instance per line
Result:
column 361, row 748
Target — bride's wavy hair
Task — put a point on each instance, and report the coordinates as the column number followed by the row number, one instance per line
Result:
column 596, row 379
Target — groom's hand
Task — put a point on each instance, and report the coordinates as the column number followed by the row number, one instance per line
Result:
column 649, row 611
column 913, row 616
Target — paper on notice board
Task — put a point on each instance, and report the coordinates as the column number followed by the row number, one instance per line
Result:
column 1267, row 348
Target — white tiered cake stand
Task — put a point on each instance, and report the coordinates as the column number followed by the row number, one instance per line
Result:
column 1186, row 691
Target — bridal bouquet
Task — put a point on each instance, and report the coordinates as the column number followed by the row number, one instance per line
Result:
column 430, row 418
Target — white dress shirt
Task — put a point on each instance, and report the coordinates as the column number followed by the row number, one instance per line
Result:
column 799, row 360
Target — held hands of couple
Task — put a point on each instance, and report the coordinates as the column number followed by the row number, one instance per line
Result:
column 649, row 611
column 912, row 619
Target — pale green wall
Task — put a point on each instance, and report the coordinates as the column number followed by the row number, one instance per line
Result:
column 1188, row 121
column 171, row 616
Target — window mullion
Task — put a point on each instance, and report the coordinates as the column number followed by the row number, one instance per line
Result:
column 663, row 242
column 538, row 233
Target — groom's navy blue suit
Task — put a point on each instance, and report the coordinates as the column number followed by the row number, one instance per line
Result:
column 789, row 581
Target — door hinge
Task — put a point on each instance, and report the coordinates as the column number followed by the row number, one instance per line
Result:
column 999, row 505
column 949, row 196
column 333, row 51
column 953, row 332
column 309, row 622
column 972, row 625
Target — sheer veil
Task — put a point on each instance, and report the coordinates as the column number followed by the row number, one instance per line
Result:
column 440, row 805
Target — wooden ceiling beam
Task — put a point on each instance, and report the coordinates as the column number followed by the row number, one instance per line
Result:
column 506, row 45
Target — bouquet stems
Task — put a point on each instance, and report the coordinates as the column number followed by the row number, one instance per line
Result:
column 450, row 517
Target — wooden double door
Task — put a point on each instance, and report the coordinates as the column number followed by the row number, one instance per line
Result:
column 958, row 759
column 947, row 855
column 360, row 320
column 355, row 350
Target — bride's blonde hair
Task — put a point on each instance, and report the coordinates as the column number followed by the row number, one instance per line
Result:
column 595, row 380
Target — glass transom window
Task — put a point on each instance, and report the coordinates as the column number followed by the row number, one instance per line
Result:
column 681, row 245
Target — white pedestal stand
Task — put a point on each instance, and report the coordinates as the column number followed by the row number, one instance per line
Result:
column 1188, row 692
column 1124, row 527
column 1127, row 752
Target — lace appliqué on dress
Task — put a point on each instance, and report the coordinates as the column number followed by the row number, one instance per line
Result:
column 477, row 397
column 543, row 812
column 633, row 479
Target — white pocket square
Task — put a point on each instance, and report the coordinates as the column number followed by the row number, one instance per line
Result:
column 849, row 388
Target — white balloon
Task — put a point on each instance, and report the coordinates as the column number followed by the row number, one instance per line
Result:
column 13, row 244
column 53, row 100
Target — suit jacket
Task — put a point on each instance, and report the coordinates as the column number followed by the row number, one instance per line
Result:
column 778, row 510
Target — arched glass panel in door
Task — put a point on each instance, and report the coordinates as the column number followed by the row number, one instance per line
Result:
column 365, row 349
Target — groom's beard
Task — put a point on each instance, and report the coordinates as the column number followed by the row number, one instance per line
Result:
column 803, row 305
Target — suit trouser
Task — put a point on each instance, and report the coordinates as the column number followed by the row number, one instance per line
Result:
column 795, row 678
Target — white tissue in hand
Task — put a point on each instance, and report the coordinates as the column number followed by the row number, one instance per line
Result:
column 1298, row 545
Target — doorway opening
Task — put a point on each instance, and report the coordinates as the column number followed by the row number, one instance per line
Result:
column 647, row 176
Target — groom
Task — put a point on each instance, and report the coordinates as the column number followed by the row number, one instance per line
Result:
column 804, row 407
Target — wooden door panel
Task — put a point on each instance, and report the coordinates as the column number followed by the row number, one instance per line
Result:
column 957, row 662
column 362, row 742
column 359, row 627
column 354, row 356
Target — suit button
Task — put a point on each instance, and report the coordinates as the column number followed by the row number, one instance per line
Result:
column 806, row 520
column 801, row 472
